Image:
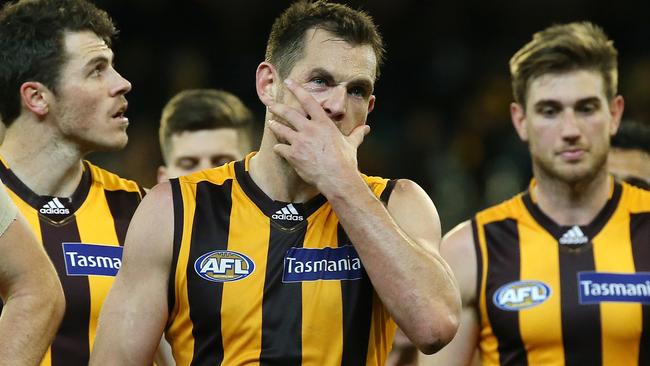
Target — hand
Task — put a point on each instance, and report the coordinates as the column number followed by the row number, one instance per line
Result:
column 312, row 143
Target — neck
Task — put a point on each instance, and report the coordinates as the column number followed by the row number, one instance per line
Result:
column 275, row 177
column 47, row 164
column 575, row 203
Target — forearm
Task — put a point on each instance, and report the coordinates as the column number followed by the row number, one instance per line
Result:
column 412, row 280
column 28, row 324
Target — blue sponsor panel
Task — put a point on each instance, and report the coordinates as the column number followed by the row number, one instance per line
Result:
column 92, row 259
column 224, row 266
column 307, row 264
column 597, row 287
column 519, row 295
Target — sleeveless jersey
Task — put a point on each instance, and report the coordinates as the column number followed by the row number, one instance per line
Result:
column 245, row 290
column 83, row 236
column 556, row 295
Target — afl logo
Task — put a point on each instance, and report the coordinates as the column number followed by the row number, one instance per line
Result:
column 223, row 266
column 520, row 295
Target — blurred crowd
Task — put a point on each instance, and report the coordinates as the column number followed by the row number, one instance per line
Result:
column 442, row 112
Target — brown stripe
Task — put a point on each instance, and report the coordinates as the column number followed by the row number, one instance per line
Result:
column 357, row 314
column 210, row 233
column 581, row 330
column 71, row 345
column 282, row 304
column 179, row 216
column 122, row 205
column 502, row 240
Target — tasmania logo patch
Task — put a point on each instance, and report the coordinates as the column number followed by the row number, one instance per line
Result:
column 307, row 264
column 224, row 266
column 519, row 295
column 597, row 287
column 91, row 259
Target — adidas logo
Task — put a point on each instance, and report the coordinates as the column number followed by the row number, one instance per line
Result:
column 573, row 236
column 287, row 213
column 54, row 207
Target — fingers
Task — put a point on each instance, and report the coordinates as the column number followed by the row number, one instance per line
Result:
column 282, row 133
column 307, row 101
column 283, row 150
column 358, row 134
column 290, row 115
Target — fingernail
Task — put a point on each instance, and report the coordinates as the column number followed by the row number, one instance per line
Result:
column 288, row 81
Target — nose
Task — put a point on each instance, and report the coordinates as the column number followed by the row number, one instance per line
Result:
column 121, row 85
column 335, row 103
column 204, row 163
column 570, row 126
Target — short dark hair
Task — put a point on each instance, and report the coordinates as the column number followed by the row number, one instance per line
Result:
column 564, row 48
column 286, row 42
column 203, row 109
column 32, row 43
column 632, row 135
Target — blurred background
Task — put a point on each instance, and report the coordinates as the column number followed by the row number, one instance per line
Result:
column 442, row 111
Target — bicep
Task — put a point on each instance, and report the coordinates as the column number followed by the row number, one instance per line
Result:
column 137, row 302
column 24, row 262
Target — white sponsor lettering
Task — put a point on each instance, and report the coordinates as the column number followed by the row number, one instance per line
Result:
column 80, row 260
column 323, row 265
column 589, row 288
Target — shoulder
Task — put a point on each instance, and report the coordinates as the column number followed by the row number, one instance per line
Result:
column 635, row 199
column 111, row 181
column 513, row 207
column 217, row 175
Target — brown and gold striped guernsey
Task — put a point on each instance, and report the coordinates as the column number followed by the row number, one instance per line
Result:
column 247, row 290
column 83, row 236
column 575, row 295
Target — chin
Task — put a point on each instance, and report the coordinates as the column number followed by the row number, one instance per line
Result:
column 107, row 146
column 577, row 173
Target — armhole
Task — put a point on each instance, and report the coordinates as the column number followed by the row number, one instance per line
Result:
column 177, row 199
column 385, row 194
column 479, row 267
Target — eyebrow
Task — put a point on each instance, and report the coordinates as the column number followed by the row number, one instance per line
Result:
column 555, row 102
column 359, row 81
column 97, row 60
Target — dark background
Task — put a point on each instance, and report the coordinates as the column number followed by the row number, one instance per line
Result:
column 441, row 116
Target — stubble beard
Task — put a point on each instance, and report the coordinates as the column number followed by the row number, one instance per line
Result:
column 571, row 175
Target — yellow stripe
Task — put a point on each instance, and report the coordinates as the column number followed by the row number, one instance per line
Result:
column 111, row 181
column 541, row 324
column 96, row 226
column 621, row 322
column 322, row 333
column 488, row 343
column 382, row 332
column 180, row 331
column 241, row 304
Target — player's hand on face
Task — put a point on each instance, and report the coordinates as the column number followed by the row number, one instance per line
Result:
column 312, row 143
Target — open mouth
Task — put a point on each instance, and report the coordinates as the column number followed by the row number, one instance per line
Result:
column 119, row 114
